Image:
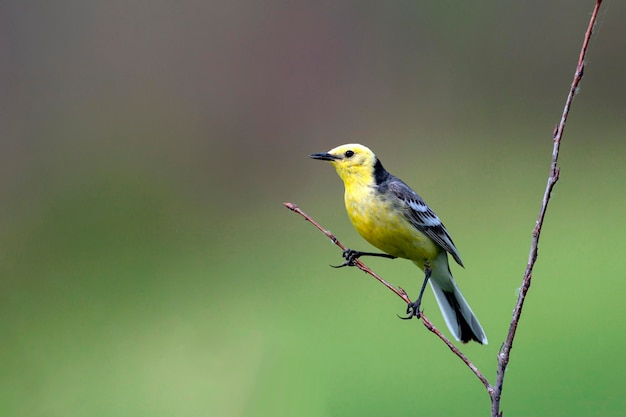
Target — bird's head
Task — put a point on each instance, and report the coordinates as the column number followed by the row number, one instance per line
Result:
column 352, row 161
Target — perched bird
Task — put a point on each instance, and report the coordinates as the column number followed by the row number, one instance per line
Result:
column 392, row 217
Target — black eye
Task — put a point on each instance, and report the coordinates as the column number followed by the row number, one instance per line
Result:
column 349, row 154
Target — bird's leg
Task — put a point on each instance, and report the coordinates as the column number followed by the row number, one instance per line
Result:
column 413, row 309
column 351, row 256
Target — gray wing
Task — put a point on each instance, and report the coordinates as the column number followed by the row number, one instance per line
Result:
column 422, row 217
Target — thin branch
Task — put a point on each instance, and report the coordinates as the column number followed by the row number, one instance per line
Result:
column 505, row 351
column 400, row 293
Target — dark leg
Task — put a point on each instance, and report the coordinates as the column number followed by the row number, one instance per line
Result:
column 413, row 309
column 352, row 255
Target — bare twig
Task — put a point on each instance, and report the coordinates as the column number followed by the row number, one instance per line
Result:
column 505, row 351
column 400, row 293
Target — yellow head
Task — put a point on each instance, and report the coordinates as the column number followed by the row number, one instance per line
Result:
column 354, row 163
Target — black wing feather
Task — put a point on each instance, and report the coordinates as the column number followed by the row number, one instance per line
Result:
column 421, row 216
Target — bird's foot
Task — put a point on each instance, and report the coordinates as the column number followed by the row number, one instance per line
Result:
column 350, row 256
column 413, row 310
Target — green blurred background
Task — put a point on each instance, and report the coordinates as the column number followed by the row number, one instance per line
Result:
column 148, row 268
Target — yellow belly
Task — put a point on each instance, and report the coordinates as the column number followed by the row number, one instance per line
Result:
column 385, row 226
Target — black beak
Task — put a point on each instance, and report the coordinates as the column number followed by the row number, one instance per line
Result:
column 324, row 156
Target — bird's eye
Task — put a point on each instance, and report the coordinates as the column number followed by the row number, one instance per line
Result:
column 349, row 154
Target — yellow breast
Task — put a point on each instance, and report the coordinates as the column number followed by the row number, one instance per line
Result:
column 380, row 220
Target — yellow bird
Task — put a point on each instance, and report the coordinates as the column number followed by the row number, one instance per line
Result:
column 392, row 217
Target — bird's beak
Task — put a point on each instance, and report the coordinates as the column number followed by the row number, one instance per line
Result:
column 325, row 156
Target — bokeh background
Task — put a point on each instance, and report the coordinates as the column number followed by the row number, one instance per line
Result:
column 148, row 268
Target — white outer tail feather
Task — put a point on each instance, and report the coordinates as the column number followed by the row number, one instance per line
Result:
column 440, row 280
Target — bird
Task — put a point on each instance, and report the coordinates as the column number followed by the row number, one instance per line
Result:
column 387, row 213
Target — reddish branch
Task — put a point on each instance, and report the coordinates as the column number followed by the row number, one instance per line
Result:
column 399, row 292
column 505, row 351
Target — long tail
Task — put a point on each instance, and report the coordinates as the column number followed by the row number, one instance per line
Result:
column 458, row 315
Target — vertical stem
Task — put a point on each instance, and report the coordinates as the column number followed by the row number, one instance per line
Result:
column 505, row 351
